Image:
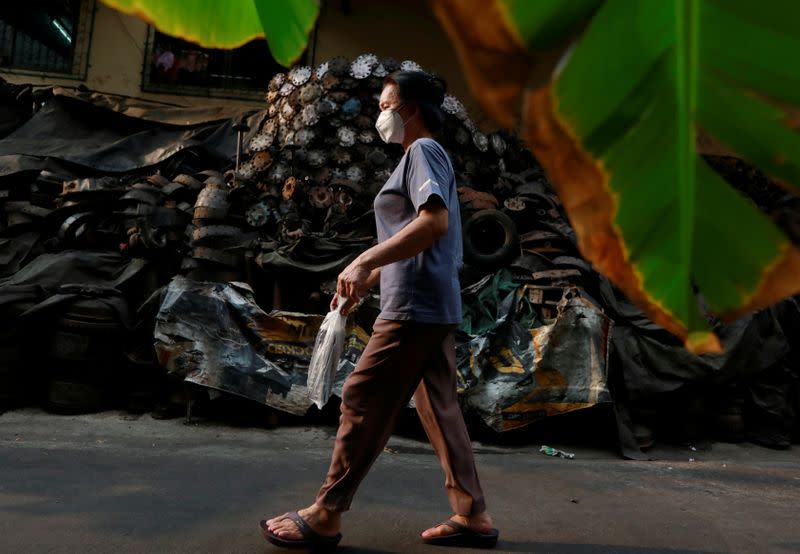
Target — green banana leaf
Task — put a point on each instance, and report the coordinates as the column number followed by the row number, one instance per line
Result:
column 614, row 116
column 285, row 24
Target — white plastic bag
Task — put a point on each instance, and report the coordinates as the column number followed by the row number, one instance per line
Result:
column 327, row 353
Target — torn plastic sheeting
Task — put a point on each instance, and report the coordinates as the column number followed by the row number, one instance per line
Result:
column 215, row 335
column 77, row 132
column 514, row 375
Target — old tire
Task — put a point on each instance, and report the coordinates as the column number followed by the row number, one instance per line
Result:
column 490, row 239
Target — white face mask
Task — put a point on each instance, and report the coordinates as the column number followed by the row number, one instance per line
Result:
column 390, row 126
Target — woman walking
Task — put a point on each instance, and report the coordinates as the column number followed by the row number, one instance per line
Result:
column 412, row 348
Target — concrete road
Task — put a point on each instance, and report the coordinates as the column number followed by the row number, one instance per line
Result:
column 114, row 483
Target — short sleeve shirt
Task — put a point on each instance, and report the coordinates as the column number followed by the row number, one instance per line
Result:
column 425, row 287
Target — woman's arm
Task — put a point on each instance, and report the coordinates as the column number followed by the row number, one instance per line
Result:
column 415, row 237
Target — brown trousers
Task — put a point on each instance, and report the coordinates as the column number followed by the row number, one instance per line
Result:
column 403, row 357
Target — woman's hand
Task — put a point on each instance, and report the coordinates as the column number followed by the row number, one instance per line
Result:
column 351, row 284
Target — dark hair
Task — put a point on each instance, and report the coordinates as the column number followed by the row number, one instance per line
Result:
column 423, row 90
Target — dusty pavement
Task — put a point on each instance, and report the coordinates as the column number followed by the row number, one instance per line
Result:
column 109, row 483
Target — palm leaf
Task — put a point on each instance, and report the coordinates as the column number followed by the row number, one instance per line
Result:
column 285, row 24
column 615, row 126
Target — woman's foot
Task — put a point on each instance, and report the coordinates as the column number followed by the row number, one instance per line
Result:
column 481, row 523
column 324, row 522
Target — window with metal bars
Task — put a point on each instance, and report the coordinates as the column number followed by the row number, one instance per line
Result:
column 46, row 36
column 176, row 66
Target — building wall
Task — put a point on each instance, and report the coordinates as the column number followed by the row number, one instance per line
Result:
column 403, row 30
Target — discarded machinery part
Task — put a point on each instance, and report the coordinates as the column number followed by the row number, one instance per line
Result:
column 355, row 173
column 299, row 75
column 490, row 238
column 216, row 181
column 211, row 233
column 515, row 204
column 223, row 257
column 281, row 135
column 156, row 191
column 277, row 81
column 310, row 93
column 289, row 139
column 383, row 175
column 188, row 264
column 531, row 262
column 247, row 171
column 498, row 144
column 573, row 262
column 556, row 274
column 305, row 136
column 272, row 97
column 377, row 157
column 212, row 203
column 310, row 114
column 339, row 96
column 366, row 137
column 187, row 181
column 158, row 180
column 325, row 107
column 330, row 81
column 339, row 66
column 300, row 155
column 286, row 89
column 468, row 123
column 206, row 173
column 480, row 141
column 298, row 123
column 258, row 215
column 261, row 160
column 26, row 208
column 501, row 166
column 140, row 197
column 346, row 136
column 364, row 122
column 343, row 198
column 410, row 65
column 342, row 156
column 317, row 158
column 350, row 109
column 174, row 188
column 452, row 105
column 462, row 136
column 138, row 210
column 289, row 188
column 186, row 207
column 391, row 64
column 278, row 173
column 322, row 175
column 321, row 70
column 380, row 71
column 477, row 199
column 320, row 197
column 337, row 173
column 261, row 142
column 67, row 230
column 363, row 65
column 287, row 111
column 348, row 83
column 88, row 184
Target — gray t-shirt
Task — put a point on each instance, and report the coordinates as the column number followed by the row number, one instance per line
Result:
column 425, row 287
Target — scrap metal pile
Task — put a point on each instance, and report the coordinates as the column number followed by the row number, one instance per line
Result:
column 228, row 270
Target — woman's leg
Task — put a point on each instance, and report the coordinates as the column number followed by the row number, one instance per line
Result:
column 437, row 404
column 374, row 396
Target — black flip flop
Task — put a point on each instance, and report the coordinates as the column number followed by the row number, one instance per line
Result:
column 311, row 539
column 464, row 537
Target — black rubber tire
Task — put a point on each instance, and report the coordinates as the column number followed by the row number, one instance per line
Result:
column 490, row 239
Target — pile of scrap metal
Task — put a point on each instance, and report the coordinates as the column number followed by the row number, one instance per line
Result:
column 229, row 269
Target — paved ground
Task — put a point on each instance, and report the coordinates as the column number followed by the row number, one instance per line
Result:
column 113, row 483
